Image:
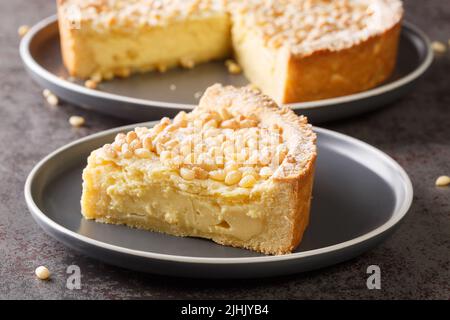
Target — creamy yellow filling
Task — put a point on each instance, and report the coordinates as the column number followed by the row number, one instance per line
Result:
column 151, row 196
column 182, row 43
column 265, row 67
column 190, row 214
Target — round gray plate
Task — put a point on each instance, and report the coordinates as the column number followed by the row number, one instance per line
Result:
column 360, row 194
column 148, row 96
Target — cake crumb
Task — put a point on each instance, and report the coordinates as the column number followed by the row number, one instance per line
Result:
column 77, row 121
column 23, row 30
column 443, row 181
column 187, row 63
column 42, row 273
column 96, row 77
column 91, row 84
column 173, row 87
column 233, row 66
column 438, row 47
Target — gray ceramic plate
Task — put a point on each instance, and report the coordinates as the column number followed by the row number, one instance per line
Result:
column 148, row 96
column 360, row 195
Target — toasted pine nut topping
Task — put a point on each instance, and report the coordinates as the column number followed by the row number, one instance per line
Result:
column 77, row 121
column 42, row 273
column 443, row 181
column 218, row 145
column 23, row 30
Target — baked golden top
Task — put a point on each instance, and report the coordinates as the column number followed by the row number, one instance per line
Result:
column 130, row 14
column 301, row 26
column 306, row 26
column 235, row 137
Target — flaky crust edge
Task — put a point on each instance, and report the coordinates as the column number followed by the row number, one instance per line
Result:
column 376, row 57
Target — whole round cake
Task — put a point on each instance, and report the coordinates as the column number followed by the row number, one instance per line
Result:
column 293, row 50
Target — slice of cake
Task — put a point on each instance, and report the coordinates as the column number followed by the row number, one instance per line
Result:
column 237, row 170
column 116, row 38
column 296, row 50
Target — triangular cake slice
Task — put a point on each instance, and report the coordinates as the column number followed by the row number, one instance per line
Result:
column 237, row 170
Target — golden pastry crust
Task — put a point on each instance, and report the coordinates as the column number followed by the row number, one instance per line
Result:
column 147, row 179
column 329, row 74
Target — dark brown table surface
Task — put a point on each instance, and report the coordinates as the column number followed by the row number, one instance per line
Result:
column 414, row 262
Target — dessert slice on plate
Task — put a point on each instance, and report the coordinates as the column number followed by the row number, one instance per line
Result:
column 237, row 169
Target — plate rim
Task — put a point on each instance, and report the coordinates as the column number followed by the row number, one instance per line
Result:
column 36, row 68
column 396, row 217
